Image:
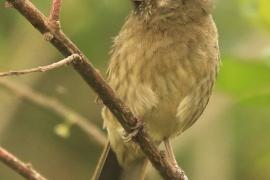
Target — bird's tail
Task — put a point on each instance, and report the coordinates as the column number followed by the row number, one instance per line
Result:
column 108, row 168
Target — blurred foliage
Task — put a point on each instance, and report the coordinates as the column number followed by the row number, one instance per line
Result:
column 244, row 81
column 242, row 77
column 257, row 11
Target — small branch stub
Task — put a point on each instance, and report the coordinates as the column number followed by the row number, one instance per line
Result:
column 54, row 18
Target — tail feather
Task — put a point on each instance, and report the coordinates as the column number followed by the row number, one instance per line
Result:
column 108, row 167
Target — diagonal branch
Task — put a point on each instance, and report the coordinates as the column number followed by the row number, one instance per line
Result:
column 94, row 79
column 68, row 114
column 26, row 170
column 66, row 61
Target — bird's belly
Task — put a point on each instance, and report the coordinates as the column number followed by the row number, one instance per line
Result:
column 177, row 110
column 162, row 122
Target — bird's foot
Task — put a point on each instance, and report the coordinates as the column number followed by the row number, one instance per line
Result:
column 127, row 137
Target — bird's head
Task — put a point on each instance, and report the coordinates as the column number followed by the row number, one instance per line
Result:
column 172, row 9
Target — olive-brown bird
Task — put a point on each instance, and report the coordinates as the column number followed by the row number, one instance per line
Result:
column 163, row 65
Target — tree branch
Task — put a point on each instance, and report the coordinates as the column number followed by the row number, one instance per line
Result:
column 66, row 61
column 106, row 94
column 26, row 170
column 68, row 114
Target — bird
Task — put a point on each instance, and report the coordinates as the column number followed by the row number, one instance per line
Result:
column 163, row 66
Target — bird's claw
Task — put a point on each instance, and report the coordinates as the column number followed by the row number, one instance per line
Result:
column 127, row 137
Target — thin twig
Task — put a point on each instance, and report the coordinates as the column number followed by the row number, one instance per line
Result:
column 66, row 61
column 26, row 170
column 68, row 114
column 99, row 85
